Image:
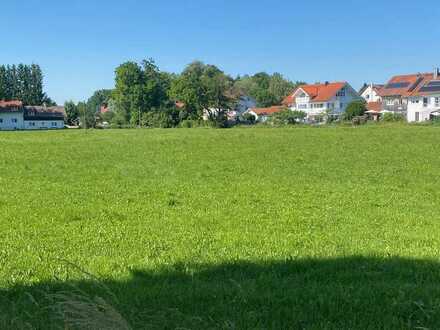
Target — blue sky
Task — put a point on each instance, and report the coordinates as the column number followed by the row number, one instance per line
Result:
column 79, row 43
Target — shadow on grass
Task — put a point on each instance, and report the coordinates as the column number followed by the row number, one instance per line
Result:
column 346, row 293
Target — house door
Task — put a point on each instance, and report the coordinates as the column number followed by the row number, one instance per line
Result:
column 417, row 116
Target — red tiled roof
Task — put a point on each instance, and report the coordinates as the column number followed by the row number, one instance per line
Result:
column 323, row 92
column 268, row 111
column 6, row 104
column 374, row 106
column 411, row 81
column 288, row 100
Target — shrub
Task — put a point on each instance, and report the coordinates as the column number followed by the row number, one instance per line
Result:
column 249, row 118
column 355, row 109
column 288, row 117
column 392, row 117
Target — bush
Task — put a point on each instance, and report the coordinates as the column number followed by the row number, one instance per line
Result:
column 392, row 117
column 436, row 120
column 288, row 117
column 355, row 109
column 249, row 118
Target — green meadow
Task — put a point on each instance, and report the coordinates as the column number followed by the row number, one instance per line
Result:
column 246, row 228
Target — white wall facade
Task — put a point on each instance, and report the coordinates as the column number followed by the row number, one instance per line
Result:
column 335, row 106
column 421, row 107
column 43, row 124
column 11, row 121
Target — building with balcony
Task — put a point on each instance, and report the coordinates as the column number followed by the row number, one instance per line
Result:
column 322, row 99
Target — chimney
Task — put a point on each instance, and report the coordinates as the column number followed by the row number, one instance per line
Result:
column 326, row 83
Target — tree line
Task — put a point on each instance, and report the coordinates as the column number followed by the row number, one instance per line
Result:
column 23, row 82
column 145, row 96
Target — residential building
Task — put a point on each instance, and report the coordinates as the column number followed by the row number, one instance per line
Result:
column 262, row 115
column 11, row 115
column 15, row 116
column 424, row 102
column 396, row 92
column 370, row 92
column 322, row 99
column 415, row 96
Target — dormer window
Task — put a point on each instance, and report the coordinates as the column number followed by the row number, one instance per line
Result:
column 341, row 93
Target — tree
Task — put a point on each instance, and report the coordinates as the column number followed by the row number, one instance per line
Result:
column 204, row 89
column 24, row 83
column 355, row 109
column 72, row 113
column 86, row 119
column 99, row 98
column 266, row 89
column 139, row 89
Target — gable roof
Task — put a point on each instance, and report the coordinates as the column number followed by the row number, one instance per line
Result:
column 267, row 111
column 429, row 85
column 322, row 92
column 376, row 88
column 404, row 85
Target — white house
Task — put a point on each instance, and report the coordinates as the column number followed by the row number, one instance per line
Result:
column 415, row 96
column 316, row 100
column 370, row 92
column 424, row 101
column 14, row 116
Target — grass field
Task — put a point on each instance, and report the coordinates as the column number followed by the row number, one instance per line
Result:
column 306, row 228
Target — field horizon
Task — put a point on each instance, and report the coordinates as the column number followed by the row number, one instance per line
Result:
column 261, row 228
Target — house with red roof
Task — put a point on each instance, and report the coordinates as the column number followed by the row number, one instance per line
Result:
column 319, row 99
column 415, row 96
column 424, row 101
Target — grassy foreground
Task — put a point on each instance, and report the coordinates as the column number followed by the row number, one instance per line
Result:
column 309, row 228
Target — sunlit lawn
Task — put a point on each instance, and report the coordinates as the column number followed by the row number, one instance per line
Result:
column 240, row 229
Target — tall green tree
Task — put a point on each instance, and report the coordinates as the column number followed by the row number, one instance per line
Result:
column 266, row 89
column 203, row 88
column 72, row 113
column 24, row 83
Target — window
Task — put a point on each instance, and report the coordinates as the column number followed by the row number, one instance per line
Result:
column 341, row 92
column 367, row 97
column 437, row 101
column 14, row 120
column 341, row 105
column 54, row 124
column 425, row 101
column 417, row 116
column 31, row 124
column 302, row 106
column 1, row 120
